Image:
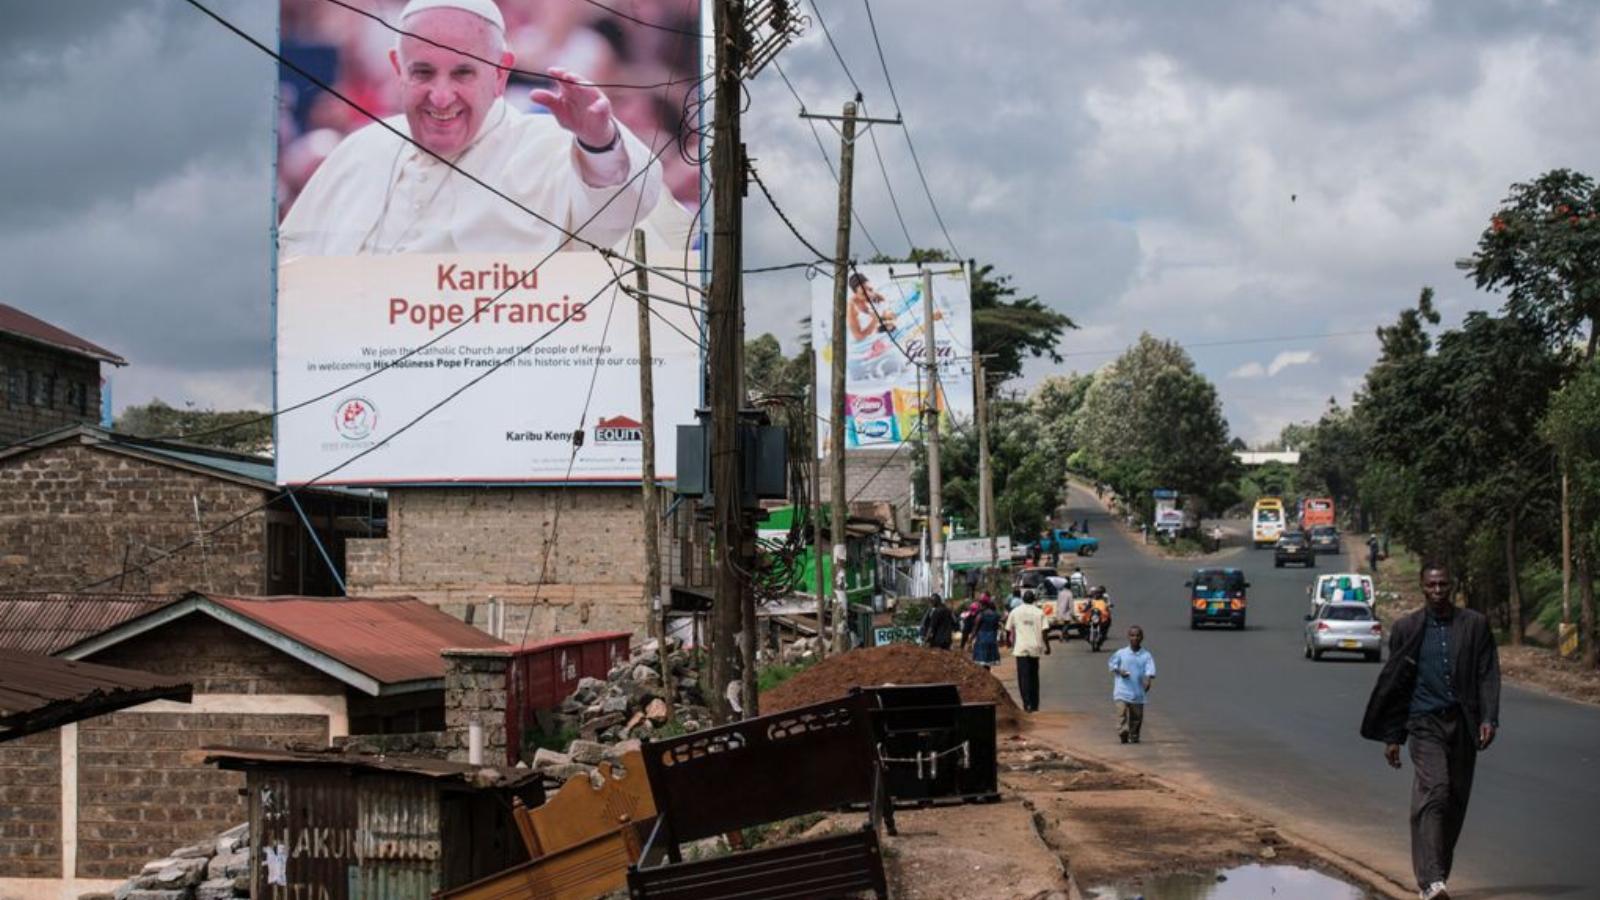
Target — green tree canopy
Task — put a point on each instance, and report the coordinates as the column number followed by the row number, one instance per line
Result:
column 243, row 430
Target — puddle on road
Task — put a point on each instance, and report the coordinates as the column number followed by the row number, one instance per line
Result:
column 1253, row 882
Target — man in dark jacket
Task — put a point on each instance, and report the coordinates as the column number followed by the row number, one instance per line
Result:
column 1441, row 689
column 938, row 624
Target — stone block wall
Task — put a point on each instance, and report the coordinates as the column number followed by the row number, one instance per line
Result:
column 142, row 788
column 71, row 514
column 457, row 546
column 475, row 689
column 30, row 806
column 218, row 659
column 25, row 413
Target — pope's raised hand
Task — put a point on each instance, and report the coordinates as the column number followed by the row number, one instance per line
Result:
column 579, row 107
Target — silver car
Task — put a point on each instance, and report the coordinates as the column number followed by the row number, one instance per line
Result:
column 1346, row 628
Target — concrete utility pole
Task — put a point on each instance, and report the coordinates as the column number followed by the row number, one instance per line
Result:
column 655, row 608
column 930, row 428
column 841, row 275
column 986, row 523
column 821, row 585
column 726, row 347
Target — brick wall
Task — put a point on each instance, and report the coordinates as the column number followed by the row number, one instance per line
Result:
column 24, row 410
column 142, row 789
column 70, row 514
column 876, row 475
column 218, row 659
column 455, row 546
column 475, row 688
column 30, row 806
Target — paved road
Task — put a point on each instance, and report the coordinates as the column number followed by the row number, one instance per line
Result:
column 1273, row 732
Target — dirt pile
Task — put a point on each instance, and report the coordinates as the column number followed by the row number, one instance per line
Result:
column 894, row 664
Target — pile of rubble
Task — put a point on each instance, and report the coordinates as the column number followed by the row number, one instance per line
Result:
column 633, row 702
column 216, row 869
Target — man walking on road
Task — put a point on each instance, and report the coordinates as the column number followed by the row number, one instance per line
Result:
column 1029, row 638
column 1133, row 672
column 1441, row 689
column 1372, row 553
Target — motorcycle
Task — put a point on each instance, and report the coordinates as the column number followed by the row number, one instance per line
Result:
column 1099, row 625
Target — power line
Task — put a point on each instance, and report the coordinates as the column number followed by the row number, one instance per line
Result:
column 756, row 177
column 817, row 8
column 638, row 21
column 1237, row 341
column 888, row 185
column 904, row 128
column 530, row 73
column 826, row 159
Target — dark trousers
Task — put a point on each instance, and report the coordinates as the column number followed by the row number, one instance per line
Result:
column 1028, row 682
column 1443, row 755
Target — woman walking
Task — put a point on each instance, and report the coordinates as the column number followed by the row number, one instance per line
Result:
column 986, row 635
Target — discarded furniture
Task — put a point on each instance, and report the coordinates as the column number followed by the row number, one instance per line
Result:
column 934, row 748
column 582, row 840
column 819, row 757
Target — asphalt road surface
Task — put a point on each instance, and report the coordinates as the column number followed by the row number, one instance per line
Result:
column 1266, row 729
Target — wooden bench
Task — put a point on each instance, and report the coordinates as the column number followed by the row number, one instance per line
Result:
column 815, row 758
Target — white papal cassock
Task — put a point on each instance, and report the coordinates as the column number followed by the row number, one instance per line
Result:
column 378, row 194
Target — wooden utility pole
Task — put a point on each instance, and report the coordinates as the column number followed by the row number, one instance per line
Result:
column 726, row 346
column 841, row 275
column 930, row 428
column 655, row 607
column 821, row 585
column 986, row 523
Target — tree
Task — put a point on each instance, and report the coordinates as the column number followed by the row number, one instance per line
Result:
column 242, row 431
column 1006, row 329
column 1149, row 420
column 1542, row 248
column 1572, row 426
column 1331, row 460
column 1028, row 479
column 1056, row 401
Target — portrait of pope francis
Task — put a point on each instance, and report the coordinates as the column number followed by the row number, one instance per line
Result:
column 377, row 193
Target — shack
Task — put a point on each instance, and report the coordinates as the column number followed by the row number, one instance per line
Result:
column 326, row 825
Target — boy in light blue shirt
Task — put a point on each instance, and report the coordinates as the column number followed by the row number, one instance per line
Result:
column 1133, row 673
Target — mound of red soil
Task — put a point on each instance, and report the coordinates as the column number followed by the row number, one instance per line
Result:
column 894, row 664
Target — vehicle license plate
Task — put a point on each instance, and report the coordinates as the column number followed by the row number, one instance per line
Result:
column 1349, row 644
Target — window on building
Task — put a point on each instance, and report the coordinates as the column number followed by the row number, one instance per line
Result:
column 17, row 387
column 77, row 397
column 42, row 389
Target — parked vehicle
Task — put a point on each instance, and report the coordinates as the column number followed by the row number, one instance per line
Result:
column 1217, row 597
column 1325, row 539
column 1294, row 547
column 1316, row 511
column 1344, row 628
column 1066, row 541
column 1266, row 521
column 1342, row 587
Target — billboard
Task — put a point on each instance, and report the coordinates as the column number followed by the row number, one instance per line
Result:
column 451, row 253
column 885, row 346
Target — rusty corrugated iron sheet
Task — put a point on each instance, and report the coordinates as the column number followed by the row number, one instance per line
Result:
column 16, row 322
column 48, row 622
column 335, row 759
column 303, row 827
column 392, row 639
column 38, row 692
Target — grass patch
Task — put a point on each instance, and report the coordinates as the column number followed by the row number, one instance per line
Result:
column 534, row 738
column 777, row 673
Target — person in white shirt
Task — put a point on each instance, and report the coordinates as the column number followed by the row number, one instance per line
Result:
column 377, row 193
column 1133, row 672
column 1026, row 626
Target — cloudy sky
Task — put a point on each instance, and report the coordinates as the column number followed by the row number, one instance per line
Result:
column 1212, row 172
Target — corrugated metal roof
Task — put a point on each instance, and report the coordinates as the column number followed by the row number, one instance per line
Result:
column 15, row 321
column 45, row 623
column 391, row 639
column 423, row 766
column 41, row 692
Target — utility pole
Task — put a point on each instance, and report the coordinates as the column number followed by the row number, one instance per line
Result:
column 986, row 523
column 821, row 585
column 726, row 346
column 841, row 274
column 656, row 622
column 930, row 427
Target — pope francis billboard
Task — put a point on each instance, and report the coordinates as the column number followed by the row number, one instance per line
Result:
column 450, row 174
column 887, row 334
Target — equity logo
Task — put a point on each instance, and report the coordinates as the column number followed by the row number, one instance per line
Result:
column 355, row 419
column 618, row 430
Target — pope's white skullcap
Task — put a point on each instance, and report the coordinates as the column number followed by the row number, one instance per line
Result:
column 483, row 9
